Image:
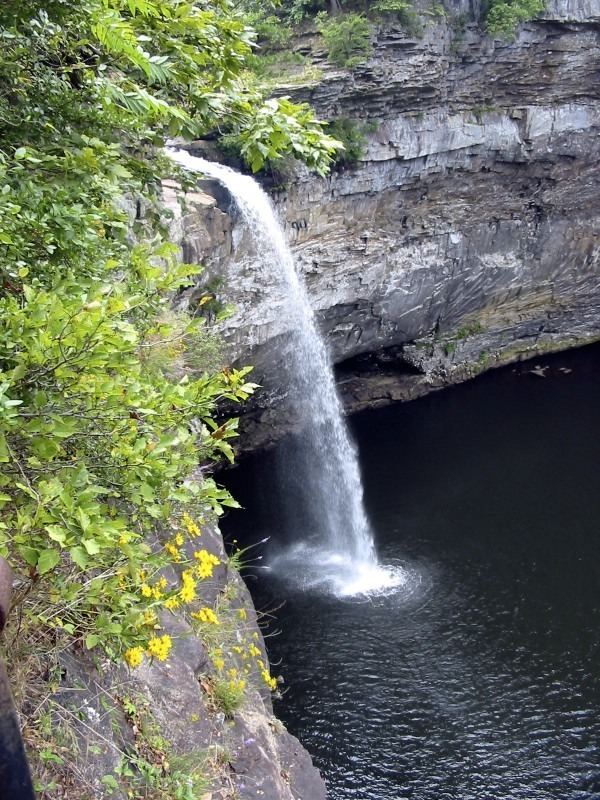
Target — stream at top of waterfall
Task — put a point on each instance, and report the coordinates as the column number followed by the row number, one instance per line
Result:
column 478, row 677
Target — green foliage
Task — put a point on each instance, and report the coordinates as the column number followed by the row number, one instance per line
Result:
column 295, row 11
column 139, row 71
column 280, row 126
column 272, row 33
column 101, row 427
column 504, row 16
column 151, row 769
column 403, row 11
column 279, row 67
column 229, row 693
column 352, row 133
column 347, row 38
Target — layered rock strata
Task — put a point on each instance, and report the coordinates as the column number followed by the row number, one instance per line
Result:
column 469, row 232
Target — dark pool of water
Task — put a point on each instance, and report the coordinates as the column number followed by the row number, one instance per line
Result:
column 481, row 678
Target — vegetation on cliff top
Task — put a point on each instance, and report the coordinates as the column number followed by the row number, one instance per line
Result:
column 348, row 26
column 504, row 16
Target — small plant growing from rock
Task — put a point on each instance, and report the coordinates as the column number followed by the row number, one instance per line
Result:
column 347, row 38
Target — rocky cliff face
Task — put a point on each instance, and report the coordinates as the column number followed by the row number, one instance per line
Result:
column 125, row 733
column 468, row 233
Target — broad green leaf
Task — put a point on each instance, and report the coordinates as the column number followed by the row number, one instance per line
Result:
column 29, row 554
column 79, row 556
column 47, row 560
column 91, row 546
column 57, row 533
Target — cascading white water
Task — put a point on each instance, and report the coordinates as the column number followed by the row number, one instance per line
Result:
column 337, row 549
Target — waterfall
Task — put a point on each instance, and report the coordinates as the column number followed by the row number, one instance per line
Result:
column 336, row 548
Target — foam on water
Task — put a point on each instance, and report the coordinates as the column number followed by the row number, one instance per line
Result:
column 315, row 569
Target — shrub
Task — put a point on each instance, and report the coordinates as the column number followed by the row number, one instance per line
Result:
column 273, row 127
column 403, row 11
column 504, row 16
column 272, row 33
column 347, row 38
column 352, row 134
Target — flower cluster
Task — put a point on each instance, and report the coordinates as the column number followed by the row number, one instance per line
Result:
column 187, row 593
column 242, row 648
column 191, row 526
column 134, row 656
column 156, row 591
column 158, row 647
column 268, row 679
column 206, row 615
column 157, row 594
column 206, row 563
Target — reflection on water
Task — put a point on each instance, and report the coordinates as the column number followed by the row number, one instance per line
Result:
column 479, row 676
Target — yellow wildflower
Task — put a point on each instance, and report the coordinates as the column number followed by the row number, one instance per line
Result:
column 188, row 590
column 242, row 614
column 191, row 526
column 134, row 656
column 146, row 590
column 179, row 539
column 206, row 615
column 156, row 592
column 160, row 646
column 206, row 562
column 173, row 551
column 219, row 663
column 187, row 593
column 254, row 650
column 172, row 603
column 270, row 681
column 204, row 571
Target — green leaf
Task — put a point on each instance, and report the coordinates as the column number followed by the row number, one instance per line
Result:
column 92, row 546
column 45, row 448
column 110, row 782
column 91, row 640
column 29, row 554
column 4, row 454
column 79, row 556
column 47, row 560
column 83, row 519
column 57, row 533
